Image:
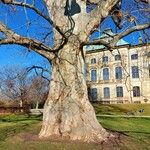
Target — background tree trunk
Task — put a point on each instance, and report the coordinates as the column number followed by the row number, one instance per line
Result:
column 68, row 113
column 37, row 105
column 21, row 103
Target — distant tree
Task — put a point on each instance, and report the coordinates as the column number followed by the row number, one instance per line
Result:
column 14, row 84
column 24, row 85
column 38, row 90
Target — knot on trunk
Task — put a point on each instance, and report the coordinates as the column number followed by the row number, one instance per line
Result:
column 74, row 41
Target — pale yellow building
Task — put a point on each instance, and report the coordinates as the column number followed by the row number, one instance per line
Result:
column 120, row 76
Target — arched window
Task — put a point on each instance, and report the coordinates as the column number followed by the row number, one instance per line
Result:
column 119, row 91
column 118, row 57
column 93, row 94
column 105, row 74
column 93, row 61
column 134, row 56
column 106, row 92
column 135, row 72
column 93, row 75
column 118, row 72
column 149, row 70
column 105, row 59
column 136, row 91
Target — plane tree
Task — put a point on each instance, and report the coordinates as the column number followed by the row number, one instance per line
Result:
column 68, row 113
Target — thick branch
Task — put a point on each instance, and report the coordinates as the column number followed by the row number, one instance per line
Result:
column 101, row 11
column 127, row 32
column 112, row 43
column 22, row 4
column 97, row 42
column 14, row 38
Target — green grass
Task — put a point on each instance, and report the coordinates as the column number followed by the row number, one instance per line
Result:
column 122, row 109
column 135, row 131
column 13, row 124
column 126, row 125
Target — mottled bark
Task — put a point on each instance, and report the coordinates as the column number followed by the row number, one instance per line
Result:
column 68, row 113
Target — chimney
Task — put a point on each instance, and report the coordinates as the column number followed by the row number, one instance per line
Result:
column 140, row 40
column 108, row 31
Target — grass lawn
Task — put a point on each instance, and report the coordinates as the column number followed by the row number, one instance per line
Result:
column 122, row 109
column 12, row 124
column 16, row 133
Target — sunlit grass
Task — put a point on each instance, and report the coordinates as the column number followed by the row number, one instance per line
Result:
column 136, row 131
column 122, row 109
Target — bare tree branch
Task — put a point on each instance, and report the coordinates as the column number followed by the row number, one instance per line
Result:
column 41, row 68
column 112, row 43
column 101, row 11
column 127, row 32
column 97, row 42
column 22, row 4
column 14, row 38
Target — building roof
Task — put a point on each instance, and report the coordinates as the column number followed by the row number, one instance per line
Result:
column 107, row 35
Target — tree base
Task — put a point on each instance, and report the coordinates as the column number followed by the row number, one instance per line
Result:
column 75, row 122
column 109, row 139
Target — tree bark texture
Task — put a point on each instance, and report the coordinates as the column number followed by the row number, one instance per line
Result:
column 68, row 113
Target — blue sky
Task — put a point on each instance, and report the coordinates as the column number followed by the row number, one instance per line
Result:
column 15, row 55
column 17, row 19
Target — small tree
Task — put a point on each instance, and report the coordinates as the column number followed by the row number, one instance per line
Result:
column 14, row 84
column 37, row 90
column 24, row 85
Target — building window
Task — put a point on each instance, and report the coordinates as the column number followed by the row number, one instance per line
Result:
column 93, row 75
column 134, row 56
column 105, row 59
column 149, row 70
column 93, row 61
column 105, row 74
column 106, row 92
column 119, row 91
column 117, row 57
column 135, row 72
column 118, row 72
column 93, row 94
column 136, row 91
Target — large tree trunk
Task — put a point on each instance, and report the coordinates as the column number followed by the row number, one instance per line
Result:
column 68, row 113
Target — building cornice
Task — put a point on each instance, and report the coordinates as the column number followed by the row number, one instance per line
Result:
column 128, row 46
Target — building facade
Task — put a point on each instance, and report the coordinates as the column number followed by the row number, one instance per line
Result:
column 120, row 76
